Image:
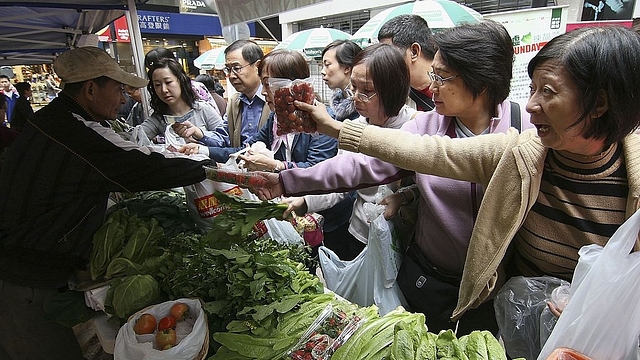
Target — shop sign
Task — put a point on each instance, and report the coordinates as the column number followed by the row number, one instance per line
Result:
column 197, row 7
column 530, row 30
column 121, row 30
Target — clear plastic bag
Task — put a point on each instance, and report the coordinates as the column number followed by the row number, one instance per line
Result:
column 289, row 119
column 523, row 316
column 602, row 320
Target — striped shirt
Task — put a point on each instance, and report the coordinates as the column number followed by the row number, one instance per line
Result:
column 581, row 201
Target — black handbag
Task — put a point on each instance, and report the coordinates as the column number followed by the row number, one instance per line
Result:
column 427, row 289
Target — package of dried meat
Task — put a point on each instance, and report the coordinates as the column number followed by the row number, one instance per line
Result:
column 290, row 119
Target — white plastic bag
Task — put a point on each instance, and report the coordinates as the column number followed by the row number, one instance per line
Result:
column 130, row 346
column 602, row 319
column 362, row 280
column 173, row 140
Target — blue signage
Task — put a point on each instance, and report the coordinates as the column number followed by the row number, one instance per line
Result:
column 152, row 22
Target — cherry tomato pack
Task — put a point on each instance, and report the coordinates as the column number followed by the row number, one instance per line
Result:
column 289, row 119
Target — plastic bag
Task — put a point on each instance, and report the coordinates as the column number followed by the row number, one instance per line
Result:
column 203, row 205
column 283, row 232
column 362, row 280
column 288, row 118
column 139, row 137
column 523, row 316
column 130, row 346
column 173, row 140
column 602, row 320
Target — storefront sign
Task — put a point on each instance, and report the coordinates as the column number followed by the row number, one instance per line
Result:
column 198, row 7
column 121, row 29
column 530, row 30
column 152, row 22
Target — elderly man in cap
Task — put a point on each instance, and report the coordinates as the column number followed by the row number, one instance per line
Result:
column 54, row 188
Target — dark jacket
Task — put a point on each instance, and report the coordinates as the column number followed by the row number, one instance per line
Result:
column 21, row 112
column 54, row 187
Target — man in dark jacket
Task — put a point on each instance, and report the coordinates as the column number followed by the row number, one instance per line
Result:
column 54, row 188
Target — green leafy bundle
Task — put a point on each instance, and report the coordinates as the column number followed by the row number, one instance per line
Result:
column 236, row 222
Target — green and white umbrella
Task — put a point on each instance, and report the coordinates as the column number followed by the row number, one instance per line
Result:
column 311, row 42
column 211, row 59
column 439, row 14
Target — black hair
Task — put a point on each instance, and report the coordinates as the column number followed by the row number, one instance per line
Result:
column 251, row 52
column 156, row 54
column 404, row 30
column 482, row 55
column 286, row 64
column 600, row 60
column 389, row 73
column 207, row 80
column 187, row 94
column 21, row 87
column 346, row 51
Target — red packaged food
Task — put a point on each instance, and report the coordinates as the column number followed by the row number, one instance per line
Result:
column 242, row 178
column 567, row 354
column 289, row 118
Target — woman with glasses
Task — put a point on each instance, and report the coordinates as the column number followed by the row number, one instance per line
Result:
column 471, row 79
column 337, row 63
column 379, row 86
column 173, row 101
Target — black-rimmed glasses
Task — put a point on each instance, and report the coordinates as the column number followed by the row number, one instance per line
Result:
column 237, row 69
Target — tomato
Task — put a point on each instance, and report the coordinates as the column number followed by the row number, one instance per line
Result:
column 165, row 339
column 146, row 324
column 167, row 323
column 179, row 311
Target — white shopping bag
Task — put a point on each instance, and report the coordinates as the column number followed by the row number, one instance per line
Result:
column 602, row 319
column 363, row 280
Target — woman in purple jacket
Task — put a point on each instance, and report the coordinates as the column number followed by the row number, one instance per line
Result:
column 471, row 74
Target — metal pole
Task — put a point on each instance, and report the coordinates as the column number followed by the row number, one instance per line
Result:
column 138, row 51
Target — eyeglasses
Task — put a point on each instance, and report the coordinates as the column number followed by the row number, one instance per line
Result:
column 439, row 79
column 361, row 96
column 236, row 69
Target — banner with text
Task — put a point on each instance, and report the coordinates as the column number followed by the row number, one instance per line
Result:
column 530, row 30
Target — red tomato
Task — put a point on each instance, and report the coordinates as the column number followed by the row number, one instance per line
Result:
column 179, row 311
column 165, row 339
column 146, row 324
column 166, row 323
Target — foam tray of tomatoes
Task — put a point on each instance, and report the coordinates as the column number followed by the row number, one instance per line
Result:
column 289, row 118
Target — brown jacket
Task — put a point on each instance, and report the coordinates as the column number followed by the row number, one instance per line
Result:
column 234, row 119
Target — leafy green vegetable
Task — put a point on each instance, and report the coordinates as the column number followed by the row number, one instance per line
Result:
column 130, row 294
column 107, row 243
column 236, row 222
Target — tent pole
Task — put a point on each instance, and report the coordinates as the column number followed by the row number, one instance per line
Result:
column 138, row 51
